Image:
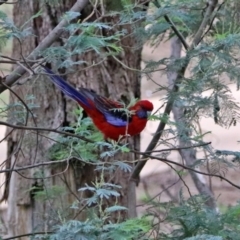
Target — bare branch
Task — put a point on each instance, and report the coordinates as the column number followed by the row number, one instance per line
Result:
column 174, row 28
column 45, row 130
column 47, row 42
column 189, row 155
column 3, row 1
column 176, row 148
column 27, row 235
column 207, row 17
column 16, row 169
column 192, row 169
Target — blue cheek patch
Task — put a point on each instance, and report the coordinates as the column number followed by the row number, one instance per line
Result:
column 142, row 113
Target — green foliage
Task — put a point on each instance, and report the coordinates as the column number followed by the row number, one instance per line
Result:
column 192, row 220
column 68, row 147
column 49, row 193
column 204, row 92
column 11, row 31
column 95, row 229
column 19, row 110
column 88, row 40
column 100, row 191
column 3, row 30
column 98, row 224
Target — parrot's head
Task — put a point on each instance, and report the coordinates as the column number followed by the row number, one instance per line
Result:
column 143, row 108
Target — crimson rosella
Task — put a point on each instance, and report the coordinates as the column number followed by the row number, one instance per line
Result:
column 109, row 116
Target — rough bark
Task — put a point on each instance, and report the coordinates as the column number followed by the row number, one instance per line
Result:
column 26, row 213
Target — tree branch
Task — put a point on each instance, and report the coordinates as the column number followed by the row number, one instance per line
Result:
column 192, row 169
column 27, row 235
column 207, row 17
column 45, row 130
column 46, row 42
column 138, row 168
column 174, row 28
column 173, row 149
column 189, row 155
column 17, row 169
column 3, row 1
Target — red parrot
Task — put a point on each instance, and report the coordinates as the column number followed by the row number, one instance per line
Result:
column 108, row 116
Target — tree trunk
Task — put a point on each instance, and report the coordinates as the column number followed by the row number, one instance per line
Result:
column 28, row 210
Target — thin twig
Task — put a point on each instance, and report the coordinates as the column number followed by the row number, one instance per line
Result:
column 175, row 148
column 192, row 169
column 27, row 235
column 174, row 28
column 210, row 26
column 46, row 130
column 207, row 17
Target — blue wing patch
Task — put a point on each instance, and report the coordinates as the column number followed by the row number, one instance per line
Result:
column 118, row 118
column 115, row 121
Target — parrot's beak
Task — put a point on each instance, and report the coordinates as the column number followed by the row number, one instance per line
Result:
column 149, row 113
